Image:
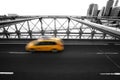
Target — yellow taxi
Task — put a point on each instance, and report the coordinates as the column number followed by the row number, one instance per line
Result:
column 45, row 44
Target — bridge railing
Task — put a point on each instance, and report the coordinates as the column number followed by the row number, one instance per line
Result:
column 58, row 26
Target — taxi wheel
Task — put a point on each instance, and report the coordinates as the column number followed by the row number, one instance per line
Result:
column 54, row 50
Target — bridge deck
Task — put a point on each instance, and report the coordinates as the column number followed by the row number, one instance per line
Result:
column 76, row 62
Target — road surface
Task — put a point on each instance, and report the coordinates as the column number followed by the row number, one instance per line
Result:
column 76, row 62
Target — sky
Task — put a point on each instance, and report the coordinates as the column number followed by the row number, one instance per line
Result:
column 48, row 7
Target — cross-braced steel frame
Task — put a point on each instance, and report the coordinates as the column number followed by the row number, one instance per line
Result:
column 53, row 26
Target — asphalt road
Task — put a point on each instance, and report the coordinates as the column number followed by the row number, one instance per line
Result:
column 76, row 62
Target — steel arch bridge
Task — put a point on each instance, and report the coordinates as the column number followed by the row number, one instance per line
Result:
column 65, row 27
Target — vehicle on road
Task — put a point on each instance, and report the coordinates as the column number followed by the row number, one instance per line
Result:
column 45, row 44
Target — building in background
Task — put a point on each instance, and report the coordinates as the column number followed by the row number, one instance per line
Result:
column 95, row 10
column 92, row 10
column 116, row 3
column 100, row 14
column 12, row 15
column 115, row 12
column 108, row 11
column 108, row 7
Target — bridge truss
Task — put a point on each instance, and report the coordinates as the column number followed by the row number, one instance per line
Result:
column 63, row 27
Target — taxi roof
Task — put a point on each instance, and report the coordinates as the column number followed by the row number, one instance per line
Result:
column 48, row 39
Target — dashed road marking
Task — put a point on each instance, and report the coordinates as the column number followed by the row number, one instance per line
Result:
column 107, row 53
column 7, row 73
column 116, row 74
column 19, row 52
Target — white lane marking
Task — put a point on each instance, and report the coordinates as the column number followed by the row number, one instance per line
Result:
column 107, row 53
column 10, row 73
column 19, row 52
column 116, row 74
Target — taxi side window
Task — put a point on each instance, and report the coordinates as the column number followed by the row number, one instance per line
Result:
column 45, row 43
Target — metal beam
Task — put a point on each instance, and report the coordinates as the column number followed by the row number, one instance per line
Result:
column 16, row 21
column 99, row 27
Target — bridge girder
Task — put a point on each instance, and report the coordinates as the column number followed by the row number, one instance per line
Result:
column 58, row 26
column 102, row 28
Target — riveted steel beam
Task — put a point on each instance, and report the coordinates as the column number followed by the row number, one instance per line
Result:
column 6, row 23
column 99, row 27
